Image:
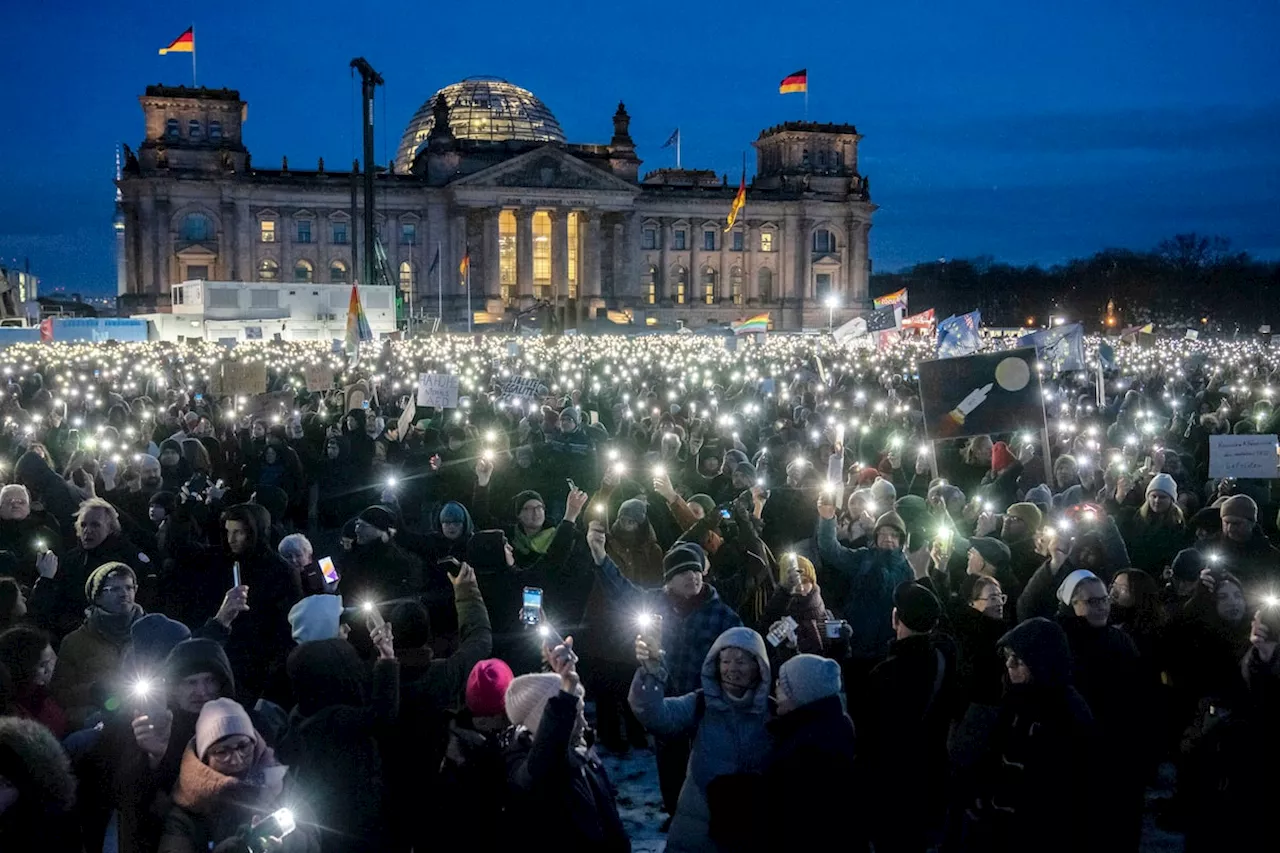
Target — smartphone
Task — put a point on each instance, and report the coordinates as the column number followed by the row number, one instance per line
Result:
column 725, row 512
column 235, row 573
column 199, row 398
column 450, row 565
column 329, row 570
column 278, row 824
column 373, row 617
column 573, row 487
column 531, row 605
column 364, row 404
column 832, row 628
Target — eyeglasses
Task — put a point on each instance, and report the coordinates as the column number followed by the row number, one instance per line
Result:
column 1100, row 601
column 242, row 750
column 532, row 508
column 999, row 596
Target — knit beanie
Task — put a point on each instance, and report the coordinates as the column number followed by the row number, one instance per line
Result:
column 1165, row 484
column 381, row 517
column 708, row 505
column 1071, row 581
column 167, row 501
column 746, row 469
column 527, row 697
column 200, row 655
column 805, row 679
column 1040, row 496
column 891, row 519
column 914, row 513
column 523, row 498
column 917, row 607
column 315, row 617
column 487, row 687
column 1028, row 513
column 635, row 511
column 1188, row 564
column 152, row 638
column 98, row 578
column 1240, row 507
column 884, row 492
column 992, row 550
column 1001, row 456
column 453, row 513
column 221, row 718
column 683, row 557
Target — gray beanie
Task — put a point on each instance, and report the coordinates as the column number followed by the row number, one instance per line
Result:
column 634, row 510
column 805, row 679
column 884, row 492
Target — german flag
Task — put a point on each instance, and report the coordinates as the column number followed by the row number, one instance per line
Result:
column 797, row 82
column 185, row 43
column 465, row 266
column 739, row 202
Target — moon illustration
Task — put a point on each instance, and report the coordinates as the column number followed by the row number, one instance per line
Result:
column 1013, row 374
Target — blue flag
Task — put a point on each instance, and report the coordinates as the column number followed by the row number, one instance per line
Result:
column 1062, row 347
column 958, row 336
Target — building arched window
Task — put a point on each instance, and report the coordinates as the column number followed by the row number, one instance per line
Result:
column 194, row 130
column 303, row 272
column 824, row 242
column 197, row 227
column 709, row 278
column 735, row 285
column 680, row 278
column 268, row 270
column 764, row 280
column 173, row 128
column 649, row 285
column 338, row 272
column 406, row 278
column 215, row 130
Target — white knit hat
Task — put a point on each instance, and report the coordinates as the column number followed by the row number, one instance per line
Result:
column 806, row 679
column 1071, row 581
column 1163, row 483
column 221, row 718
column 527, row 696
column 316, row 617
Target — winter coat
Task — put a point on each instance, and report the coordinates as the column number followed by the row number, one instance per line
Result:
column 42, row 818
column 810, row 613
column 24, row 540
column 546, row 777
column 58, row 603
column 689, row 628
column 472, row 788
column 87, row 661
column 380, row 571
column 730, row 736
column 815, row 741
column 1151, row 545
column 870, row 576
column 49, row 489
column 609, row 622
column 1256, row 562
column 979, row 667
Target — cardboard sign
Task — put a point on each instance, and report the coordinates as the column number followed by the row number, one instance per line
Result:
column 1193, row 335
column 319, row 377
column 518, row 387
column 438, row 390
column 239, row 378
column 272, row 403
column 406, row 418
column 981, row 394
column 1243, row 456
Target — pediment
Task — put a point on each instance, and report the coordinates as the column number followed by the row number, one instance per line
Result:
column 198, row 251
column 545, row 168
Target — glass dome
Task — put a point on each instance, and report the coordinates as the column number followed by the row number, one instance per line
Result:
column 484, row 109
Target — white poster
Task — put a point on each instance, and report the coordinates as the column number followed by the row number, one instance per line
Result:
column 1243, row 456
column 438, row 390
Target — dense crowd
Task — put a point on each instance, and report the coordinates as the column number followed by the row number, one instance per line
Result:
column 272, row 618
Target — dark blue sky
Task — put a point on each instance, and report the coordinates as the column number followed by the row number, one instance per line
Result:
column 1031, row 132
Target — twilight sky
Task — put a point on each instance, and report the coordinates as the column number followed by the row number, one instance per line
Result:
column 1030, row 132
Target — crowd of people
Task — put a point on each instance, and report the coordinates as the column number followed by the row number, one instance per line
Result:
column 329, row 618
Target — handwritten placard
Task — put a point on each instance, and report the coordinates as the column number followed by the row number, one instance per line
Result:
column 1243, row 456
column 439, row 390
column 242, row 378
column 319, row 377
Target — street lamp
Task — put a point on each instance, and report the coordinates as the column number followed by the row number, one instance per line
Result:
column 832, row 302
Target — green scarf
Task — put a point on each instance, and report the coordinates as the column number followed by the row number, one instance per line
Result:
column 114, row 627
column 538, row 543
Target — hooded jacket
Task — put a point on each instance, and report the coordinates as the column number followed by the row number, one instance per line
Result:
column 33, row 762
column 730, row 736
column 49, row 489
column 869, row 576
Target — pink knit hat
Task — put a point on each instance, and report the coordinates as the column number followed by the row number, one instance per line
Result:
column 487, row 687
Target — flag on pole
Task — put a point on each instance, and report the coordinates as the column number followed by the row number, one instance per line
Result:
column 357, row 324
column 959, row 335
column 758, row 324
column 898, row 297
column 672, row 139
column 884, row 319
column 796, row 82
column 739, row 202
column 435, row 262
column 185, row 43
column 466, row 261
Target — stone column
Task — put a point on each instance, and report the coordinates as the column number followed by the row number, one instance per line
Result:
column 147, row 241
column 491, row 269
column 664, row 288
column 560, row 256
column 589, row 275
column 750, row 286
column 524, row 257
column 284, row 236
column 168, row 259
column 861, row 273
column 625, row 286
column 242, row 243
column 693, row 285
column 725, row 297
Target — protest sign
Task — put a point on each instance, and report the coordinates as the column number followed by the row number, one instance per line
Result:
column 406, row 418
column 272, row 403
column 1193, row 335
column 854, row 328
column 239, row 377
column 981, row 394
column 1243, row 456
column 318, row 377
column 522, row 388
column 438, row 390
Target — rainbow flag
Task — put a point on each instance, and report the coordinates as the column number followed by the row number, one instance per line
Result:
column 185, row 43
column 898, row 297
column 796, row 82
column 756, row 325
column 357, row 324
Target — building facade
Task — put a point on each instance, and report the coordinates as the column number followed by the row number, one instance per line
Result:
column 484, row 172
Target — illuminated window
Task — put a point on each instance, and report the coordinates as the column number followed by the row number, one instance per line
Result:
column 709, row 285
column 303, row 272
column 193, row 129
column 268, row 270
column 572, row 225
column 507, row 254
column 681, row 281
column 406, row 278
column 649, row 285
column 737, row 241
column 267, row 231
column 340, row 233
column 764, row 280
column 735, row 285
column 304, row 230
column 197, row 227
column 678, row 241
column 649, row 238
column 823, row 241
column 542, row 255
column 338, row 272
column 766, row 241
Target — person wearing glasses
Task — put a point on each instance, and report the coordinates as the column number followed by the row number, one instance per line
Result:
column 1108, row 673
column 229, row 780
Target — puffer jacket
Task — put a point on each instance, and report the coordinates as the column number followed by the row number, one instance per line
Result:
column 730, row 736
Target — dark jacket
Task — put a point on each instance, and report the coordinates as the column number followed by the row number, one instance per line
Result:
column 979, row 667
column 58, row 603
column 815, row 741
column 870, row 576
column 33, row 763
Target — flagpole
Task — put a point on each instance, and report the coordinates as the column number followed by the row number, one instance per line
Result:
column 678, row 141
column 194, row 85
column 470, row 315
column 440, row 283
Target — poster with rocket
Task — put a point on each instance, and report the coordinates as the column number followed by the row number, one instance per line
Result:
column 981, row 394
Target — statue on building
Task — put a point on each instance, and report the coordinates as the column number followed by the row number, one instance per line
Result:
column 130, row 161
column 226, row 161
column 162, row 157
column 284, row 163
column 320, row 166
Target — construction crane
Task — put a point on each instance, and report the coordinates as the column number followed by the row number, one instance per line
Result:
column 369, row 79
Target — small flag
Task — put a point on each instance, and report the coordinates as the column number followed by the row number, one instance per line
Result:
column 923, row 320
column 756, row 325
column 898, row 297
column 797, row 82
column 672, row 139
column 357, row 324
column 435, row 262
column 883, row 319
column 185, row 43
column 959, row 335
column 465, row 266
column 739, row 202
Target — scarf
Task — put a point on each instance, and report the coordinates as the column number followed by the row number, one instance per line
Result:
column 114, row 627
column 538, row 543
column 203, row 790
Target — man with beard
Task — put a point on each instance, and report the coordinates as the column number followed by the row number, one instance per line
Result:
column 24, row 535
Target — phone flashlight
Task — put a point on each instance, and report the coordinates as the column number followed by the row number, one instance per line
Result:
column 644, row 620
column 659, row 471
column 487, row 455
column 391, row 482
column 142, row 688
